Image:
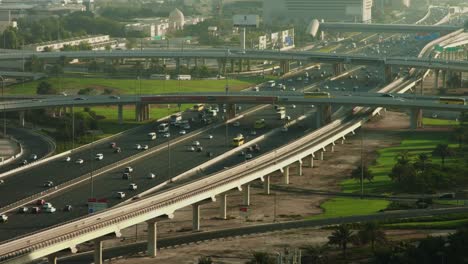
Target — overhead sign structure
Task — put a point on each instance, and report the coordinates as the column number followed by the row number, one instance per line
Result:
column 245, row 20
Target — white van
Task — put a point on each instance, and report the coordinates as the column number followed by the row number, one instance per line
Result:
column 99, row 156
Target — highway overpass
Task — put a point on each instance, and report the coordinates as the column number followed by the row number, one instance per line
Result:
column 385, row 28
column 225, row 55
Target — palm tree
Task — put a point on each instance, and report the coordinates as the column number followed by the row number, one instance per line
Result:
column 442, row 151
column 317, row 254
column 341, row 237
column 259, row 257
column 460, row 134
column 205, row 260
column 403, row 157
column 422, row 161
column 371, row 233
column 366, row 174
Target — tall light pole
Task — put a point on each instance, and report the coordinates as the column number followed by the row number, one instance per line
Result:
column 169, row 143
column 362, row 162
column 4, row 112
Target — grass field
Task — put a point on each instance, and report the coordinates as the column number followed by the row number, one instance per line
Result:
column 132, row 86
column 439, row 122
column 415, row 142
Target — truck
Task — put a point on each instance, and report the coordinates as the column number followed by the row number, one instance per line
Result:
column 281, row 114
column 175, row 118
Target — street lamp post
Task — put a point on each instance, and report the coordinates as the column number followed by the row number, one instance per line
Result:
column 4, row 112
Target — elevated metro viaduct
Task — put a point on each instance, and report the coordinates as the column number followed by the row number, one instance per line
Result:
column 142, row 103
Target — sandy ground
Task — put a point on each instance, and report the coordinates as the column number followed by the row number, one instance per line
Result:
column 325, row 176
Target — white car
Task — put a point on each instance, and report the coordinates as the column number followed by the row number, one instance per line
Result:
column 48, row 184
column 99, row 156
column 236, row 124
column 145, row 147
column 253, row 133
column 120, row 195
column 47, row 205
column 151, row 175
column 209, row 137
column 33, row 157
column 434, row 115
column 191, row 148
column 79, row 161
column 3, row 218
column 182, row 132
column 128, row 169
column 137, row 146
column 196, row 143
column 50, row 210
column 132, row 186
column 326, row 87
column 248, row 156
column 67, row 159
column 167, row 135
column 293, row 106
column 186, row 126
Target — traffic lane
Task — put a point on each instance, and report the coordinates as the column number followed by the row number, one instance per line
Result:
column 31, row 181
column 32, row 143
column 106, row 186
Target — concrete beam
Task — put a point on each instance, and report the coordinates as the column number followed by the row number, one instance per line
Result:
column 21, row 118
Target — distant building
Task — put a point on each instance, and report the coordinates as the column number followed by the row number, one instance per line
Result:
column 306, row 10
column 148, row 30
column 96, row 41
column 176, row 20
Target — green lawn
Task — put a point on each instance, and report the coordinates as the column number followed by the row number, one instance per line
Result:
column 339, row 207
column 439, row 122
column 132, row 86
column 415, row 142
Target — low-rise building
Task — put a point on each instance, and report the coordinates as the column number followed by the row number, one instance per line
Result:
column 96, row 42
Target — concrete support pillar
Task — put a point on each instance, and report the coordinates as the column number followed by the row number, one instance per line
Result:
column 299, row 168
column 188, row 63
column 333, row 147
column 321, row 155
column 240, row 65
column 138, row 112
column 286, row 175
column 177, row 69
column 223, row 206
column 196, row 62
column 97, row 251
column 246, row 194
column 152, row 238
column 322, row 115
column 436, row 79
column 120, row 113
column 342, row 141
column 232, row 65
column 322, row 35
column 21, row 118
column 284, row 66
column 248, row 65
column 231, row 111
column 311, row 161
column 444, row 79
column 52, row 259
column 203, row 61
column 338, row 68
column 195, row 217
column 266, row 185
column 388, row 73
column 416, row 118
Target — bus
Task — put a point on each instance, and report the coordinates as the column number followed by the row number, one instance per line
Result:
column 184, row 77
column 316, row 95
column 198, row 107
column 281, row 115
column 160, row 77
column 237, row 141
column 260, row 124
column 163, row 127
column 176, row 118
column 271, row 83
column 452, row 100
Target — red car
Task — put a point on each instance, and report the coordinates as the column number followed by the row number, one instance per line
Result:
column 40, row 202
